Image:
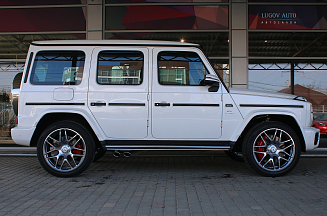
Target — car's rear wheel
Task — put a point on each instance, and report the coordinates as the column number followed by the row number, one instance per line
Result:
column 65, row 149
column 272, row 149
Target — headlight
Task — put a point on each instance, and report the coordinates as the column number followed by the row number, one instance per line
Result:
column 321, row 124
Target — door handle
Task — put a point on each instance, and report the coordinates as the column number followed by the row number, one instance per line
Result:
column 98, row 104
column 162, row 104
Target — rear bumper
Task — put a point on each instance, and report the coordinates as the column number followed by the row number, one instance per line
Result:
column 311, row 137
column 22, row 135
column 323, row 130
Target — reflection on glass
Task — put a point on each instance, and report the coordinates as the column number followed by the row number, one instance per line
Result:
column 309, row 80
column 120, row 68
column 287, row 44
column 163, row 17
column 41, row 2
column 43, row 19
column 222, row 69
column 181, row 68
column 165, row 1
column 58, row 68
column 213, row 43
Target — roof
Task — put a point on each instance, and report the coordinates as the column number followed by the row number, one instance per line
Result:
column 314, row 97
column 110, row 42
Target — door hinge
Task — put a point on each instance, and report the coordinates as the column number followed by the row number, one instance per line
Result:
column 148, row 97
column 147, row 123
column 221, row 124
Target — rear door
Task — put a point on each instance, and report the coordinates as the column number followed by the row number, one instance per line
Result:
column 118, row 91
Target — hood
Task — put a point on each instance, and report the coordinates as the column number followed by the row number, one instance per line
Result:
column 261, row 93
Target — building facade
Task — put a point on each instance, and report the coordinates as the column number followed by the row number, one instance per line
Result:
column 274, row 45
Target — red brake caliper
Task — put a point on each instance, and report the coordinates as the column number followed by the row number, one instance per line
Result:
column 78, row 145
column 260, row 149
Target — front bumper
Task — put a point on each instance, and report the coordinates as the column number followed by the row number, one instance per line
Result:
column 311, row 137
column 22, row 135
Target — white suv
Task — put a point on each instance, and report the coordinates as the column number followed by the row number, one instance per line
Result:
column 80, row 98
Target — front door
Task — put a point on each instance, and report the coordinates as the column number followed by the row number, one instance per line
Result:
column 182, row 106
column 118, row 91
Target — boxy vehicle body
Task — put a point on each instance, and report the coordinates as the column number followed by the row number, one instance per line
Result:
column 78, row 99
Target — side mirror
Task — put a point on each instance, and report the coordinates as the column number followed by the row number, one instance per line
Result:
column 212, row 81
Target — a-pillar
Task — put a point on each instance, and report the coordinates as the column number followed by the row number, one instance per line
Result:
column 94, row 20
column 239, row 44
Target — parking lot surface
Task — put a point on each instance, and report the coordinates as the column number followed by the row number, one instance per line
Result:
column 162, row 185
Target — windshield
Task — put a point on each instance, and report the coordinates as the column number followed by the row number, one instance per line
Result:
column 320, row 116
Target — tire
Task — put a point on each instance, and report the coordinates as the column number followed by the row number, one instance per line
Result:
column 271, row 149
column 65, row 149
column 237, row 156
column 99, row 153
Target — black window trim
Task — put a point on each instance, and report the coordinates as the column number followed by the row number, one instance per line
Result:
column 142, row 72
column 28, row 67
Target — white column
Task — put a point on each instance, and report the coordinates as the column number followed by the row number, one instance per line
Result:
column 239, row 44
column 94, row 20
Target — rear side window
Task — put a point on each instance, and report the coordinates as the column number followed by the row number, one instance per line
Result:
column 181, row 68
column 120, row 67
column 58, row 68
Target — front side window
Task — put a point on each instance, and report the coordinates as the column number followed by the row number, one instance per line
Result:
column 58, row 68
column 181, row 68
column 120, row 67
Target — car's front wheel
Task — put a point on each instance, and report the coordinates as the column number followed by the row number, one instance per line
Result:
column 65, row 149
column 272, row 149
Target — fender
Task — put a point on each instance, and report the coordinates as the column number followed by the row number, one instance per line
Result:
column 240, row 128
column 82, row 112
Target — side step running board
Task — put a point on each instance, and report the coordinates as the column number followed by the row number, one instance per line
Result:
column 165, row 147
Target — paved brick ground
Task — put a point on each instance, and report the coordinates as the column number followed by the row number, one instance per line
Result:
column 162, row 186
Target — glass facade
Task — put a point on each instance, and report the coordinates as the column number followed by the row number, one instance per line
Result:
column 43, row 19
column 288, row 48
column 165, row 1
column 207, row 25
column 27, row 21
column 288, row 1
column 41, row 2
column 164, row 17
column 214, row 44
column 301, row 17
column 285, row 40
column 287, row 44
column 300, row 77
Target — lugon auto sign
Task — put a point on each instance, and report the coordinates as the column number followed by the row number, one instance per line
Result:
column 287, row 17
column 278, row 18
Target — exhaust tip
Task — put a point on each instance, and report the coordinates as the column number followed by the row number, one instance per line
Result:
column 127, row 154
column 116, row 154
